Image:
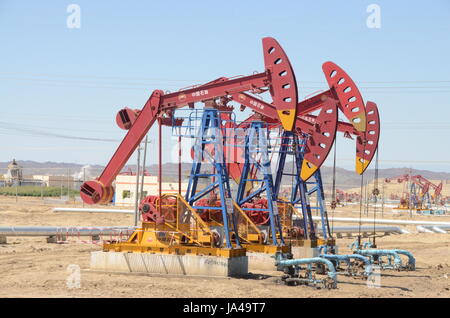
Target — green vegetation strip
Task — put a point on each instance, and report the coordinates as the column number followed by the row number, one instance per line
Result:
column 32, row 191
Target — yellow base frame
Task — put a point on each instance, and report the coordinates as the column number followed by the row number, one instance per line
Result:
column 163, row 239
column 186, row 234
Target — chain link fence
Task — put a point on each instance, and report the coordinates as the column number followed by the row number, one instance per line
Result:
column 46, row 183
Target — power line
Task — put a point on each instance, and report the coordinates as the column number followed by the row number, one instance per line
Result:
column 101, row 77
column 14, row 125
column 134, row 86
column 115, row 77
column 36, row 132
column 403, row 160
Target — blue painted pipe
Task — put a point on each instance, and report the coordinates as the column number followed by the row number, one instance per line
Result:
column 354, row 245
column 313, row 260
column 397, row 263
column 323, row 249
column 377, row 252
column 411, row 259
column 361, row 258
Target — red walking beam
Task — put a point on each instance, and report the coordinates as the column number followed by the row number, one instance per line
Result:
column 278, row 77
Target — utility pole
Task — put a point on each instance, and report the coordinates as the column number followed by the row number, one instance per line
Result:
column 179, row 165
column 136, row 197
column 143, row 169
column 159, row 164
column 382, row 202
column 367, row 198
column 68, row 185
column 84, row 180
column 410, row 193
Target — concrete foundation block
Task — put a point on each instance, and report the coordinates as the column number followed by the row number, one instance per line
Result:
column 304, row 252
column 52, row 239
column 186, row 265
column 56, row 239
column 261, row 261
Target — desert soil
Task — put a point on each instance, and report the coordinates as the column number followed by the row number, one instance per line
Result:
column 31, row 267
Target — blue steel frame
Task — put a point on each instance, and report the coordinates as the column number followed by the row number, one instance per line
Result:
column 292, row 144
column 318, row 189
column 210, row 133
column 256, row 143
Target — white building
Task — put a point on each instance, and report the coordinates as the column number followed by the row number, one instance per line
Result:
column 54, row 181
column 14, row 173
column 125, row 186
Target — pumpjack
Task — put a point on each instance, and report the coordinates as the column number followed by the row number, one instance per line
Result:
column 418, row 196
column 183, row 224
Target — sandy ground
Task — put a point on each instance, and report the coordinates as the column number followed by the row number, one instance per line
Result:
column 30, row 267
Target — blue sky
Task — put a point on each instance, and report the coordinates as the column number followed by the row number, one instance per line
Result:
column 56, row 82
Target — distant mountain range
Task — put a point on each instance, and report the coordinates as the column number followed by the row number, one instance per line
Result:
column 345, row 179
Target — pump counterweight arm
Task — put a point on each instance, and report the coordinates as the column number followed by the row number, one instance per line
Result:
column 367, row 141
column 284, row 85
column 279, row 77
column 321, row 132
column 343, row 89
